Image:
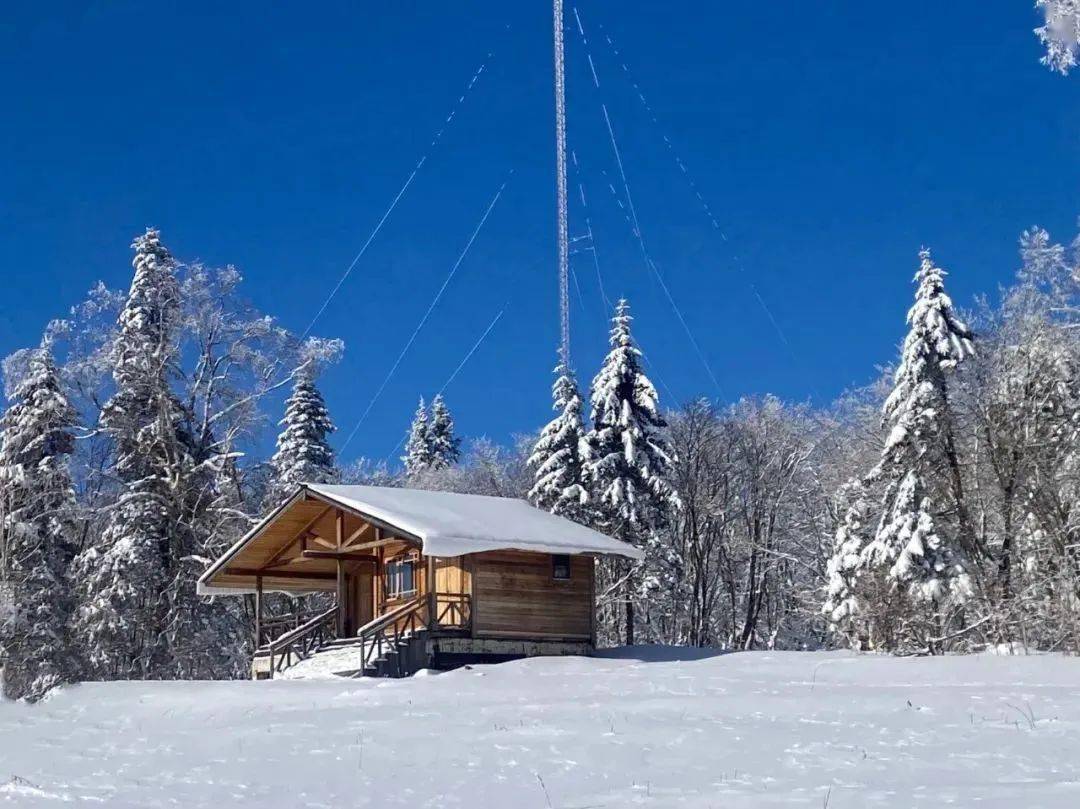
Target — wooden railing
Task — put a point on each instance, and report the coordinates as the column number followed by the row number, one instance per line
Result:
column 387, row 631
column 454, row 610
column 375, row 639
column 300, row 643
column 275, row 626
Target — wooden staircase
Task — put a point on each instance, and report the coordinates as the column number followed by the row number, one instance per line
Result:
column 393, row 645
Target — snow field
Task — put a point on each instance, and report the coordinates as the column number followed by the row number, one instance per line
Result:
column 676, row 728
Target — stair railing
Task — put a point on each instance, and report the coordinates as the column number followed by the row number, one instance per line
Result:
column 300, row 643
column 387, row 631
column 275, row 626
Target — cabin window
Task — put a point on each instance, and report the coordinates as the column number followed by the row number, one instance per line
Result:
column 560, row 567
column 400, row 578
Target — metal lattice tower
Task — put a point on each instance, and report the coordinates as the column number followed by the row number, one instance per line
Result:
column 563, row 226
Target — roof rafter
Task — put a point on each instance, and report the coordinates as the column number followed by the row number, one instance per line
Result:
column 303, row 532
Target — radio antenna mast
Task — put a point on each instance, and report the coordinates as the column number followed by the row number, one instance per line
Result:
column 563, row 226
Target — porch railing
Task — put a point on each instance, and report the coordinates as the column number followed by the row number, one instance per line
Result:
column 454, row 610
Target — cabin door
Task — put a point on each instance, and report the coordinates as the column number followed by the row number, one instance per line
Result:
column 361, row 597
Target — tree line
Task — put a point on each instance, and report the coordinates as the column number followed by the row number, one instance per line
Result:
column 931, row 510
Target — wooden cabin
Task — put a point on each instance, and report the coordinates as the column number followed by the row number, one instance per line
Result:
column 418, row 579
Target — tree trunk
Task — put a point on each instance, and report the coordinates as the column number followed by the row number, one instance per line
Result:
column 967, row 532
column 1005, row 565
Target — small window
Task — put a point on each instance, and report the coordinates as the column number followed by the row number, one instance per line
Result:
column 560, row 567
column 400, row 578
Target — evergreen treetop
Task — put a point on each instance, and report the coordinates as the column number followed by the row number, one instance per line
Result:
column 304, row 454
column 559, row 456
column 418, row 450
column 631, row 459
column 445, row 447
column 936, row 342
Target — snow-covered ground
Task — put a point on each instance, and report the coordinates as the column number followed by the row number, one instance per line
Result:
column 673, row 729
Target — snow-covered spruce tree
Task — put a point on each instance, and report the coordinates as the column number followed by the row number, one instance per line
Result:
column 558, row 459
column 37, row 504
column 445, row 446
column 303, row 452
column 630, row 464
column 925, row 550
column 842, row 587
column 125, row 580
column 419, row 453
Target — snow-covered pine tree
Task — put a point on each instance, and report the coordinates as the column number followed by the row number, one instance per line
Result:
column 909, row 543
column 445, row 446
column 630, row 463
column 37, row 504
column 842, row 591
column 419, row 452
column 558, row 459
column 924, row 549
column 303, row 452
column 124, row 582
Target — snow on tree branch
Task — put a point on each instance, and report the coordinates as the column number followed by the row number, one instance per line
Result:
column 1059, row 33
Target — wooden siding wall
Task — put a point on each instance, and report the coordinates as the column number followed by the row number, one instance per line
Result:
column 451, row 576
column 514, row 595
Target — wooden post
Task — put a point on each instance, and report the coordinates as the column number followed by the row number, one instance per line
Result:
column 592, row 602
column 342, row 592
column 258, row 611
column 470, row 568
column 433, row 603
column 376, row 577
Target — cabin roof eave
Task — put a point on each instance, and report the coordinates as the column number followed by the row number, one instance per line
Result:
column 206, row 585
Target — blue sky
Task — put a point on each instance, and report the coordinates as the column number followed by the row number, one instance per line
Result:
column 831, row 140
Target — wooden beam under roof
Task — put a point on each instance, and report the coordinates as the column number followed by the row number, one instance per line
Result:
column 344, row 555
column 359, row 532
column 277, row 574
column 303, row 532
column 375, row 543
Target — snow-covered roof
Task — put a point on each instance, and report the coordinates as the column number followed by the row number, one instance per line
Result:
column 451, row 524
column 443, row 524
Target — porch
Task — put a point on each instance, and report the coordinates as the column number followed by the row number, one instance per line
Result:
column 394, row 644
